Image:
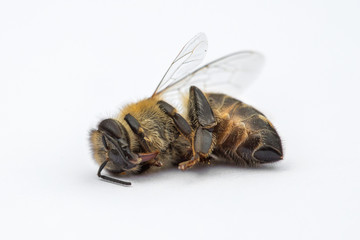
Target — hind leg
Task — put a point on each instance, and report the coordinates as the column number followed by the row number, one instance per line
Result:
column 200, row 133
column 203, row 123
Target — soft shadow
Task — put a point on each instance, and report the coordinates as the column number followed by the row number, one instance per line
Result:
column 201, row 172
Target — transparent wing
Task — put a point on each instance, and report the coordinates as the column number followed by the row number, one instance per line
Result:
column 190, row 56
column 234, row 71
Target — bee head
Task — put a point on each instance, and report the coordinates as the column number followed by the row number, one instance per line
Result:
column 110, row 144
column 111, row 148
column 116, row 142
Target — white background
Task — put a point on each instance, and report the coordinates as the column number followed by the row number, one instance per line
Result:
column 65, row 65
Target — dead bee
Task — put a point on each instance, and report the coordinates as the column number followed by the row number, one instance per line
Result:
column 151, row 133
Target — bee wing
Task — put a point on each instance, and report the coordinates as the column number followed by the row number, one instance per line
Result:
column 190, row 56
column 236, row 70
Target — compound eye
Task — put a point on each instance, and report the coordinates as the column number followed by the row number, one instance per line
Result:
column 111, row 127
column 115, row 130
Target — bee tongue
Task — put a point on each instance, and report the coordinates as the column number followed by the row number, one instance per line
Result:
column 147, row 156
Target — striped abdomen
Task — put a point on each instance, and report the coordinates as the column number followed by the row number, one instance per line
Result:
column 243, row 134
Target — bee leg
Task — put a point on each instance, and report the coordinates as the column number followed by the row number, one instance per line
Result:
column 136, row 128
column 200, row 111
column 201, row 145
column 203, row 121
column 180, row 123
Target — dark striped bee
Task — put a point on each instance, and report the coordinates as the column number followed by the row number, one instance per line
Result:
column 152, row 134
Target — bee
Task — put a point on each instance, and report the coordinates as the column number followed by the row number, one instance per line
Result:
column 152, row 134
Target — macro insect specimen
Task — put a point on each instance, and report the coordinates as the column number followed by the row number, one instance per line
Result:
column 151, row 133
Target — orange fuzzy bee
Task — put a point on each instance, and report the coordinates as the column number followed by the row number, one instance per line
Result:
column 151, row 133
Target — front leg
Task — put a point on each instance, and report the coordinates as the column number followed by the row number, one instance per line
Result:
column 202, row 121
column 137, row 129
